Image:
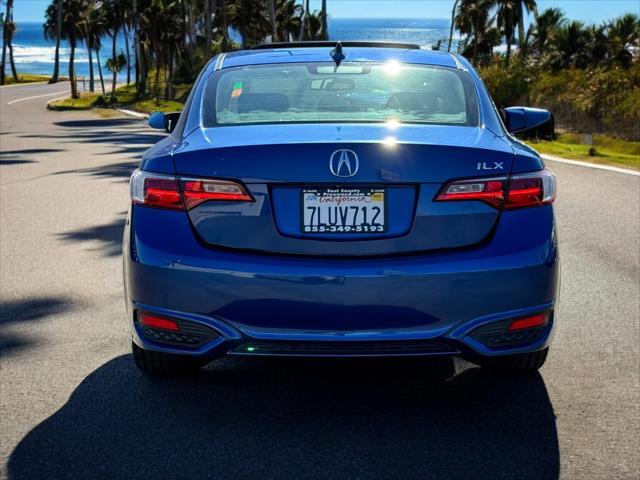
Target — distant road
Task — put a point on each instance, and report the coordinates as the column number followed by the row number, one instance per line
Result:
column 72, row 405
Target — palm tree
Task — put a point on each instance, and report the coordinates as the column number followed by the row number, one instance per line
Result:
column 208, row 12
column 249, row 18
column 546, row 28
column 56, row 64
column 8, row 30
column 622, row 34
column 453, row 19
column 115, row 19
column 288, row 19
column 95, row 30
column 304, row 20
column 508, row 15
column 473, row 20
column 524, row 5
column 271, row 11
column 72, row 29
column 324, row 29
column 571, row 45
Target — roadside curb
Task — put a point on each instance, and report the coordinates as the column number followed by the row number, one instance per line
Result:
column 625, row 171
column 23, row 84
column 132, row 113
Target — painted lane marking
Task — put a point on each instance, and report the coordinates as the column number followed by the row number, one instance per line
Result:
column 625, row 171
column 35, row 96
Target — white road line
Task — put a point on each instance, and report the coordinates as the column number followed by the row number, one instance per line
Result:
column 35, row 96
column 626, row 171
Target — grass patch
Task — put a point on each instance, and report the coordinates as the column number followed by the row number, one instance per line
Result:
column 608, row 150
column 125, row 98
column 84, row 102
column 126, row 94
column 28, row 78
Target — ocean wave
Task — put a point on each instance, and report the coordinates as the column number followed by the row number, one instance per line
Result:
column 45, row 54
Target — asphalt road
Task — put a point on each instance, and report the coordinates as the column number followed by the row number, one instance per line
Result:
column 72, row 404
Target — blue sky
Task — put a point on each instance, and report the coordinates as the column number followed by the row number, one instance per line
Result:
column 590, row 11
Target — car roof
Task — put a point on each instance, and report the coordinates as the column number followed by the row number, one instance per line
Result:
column 353, row 53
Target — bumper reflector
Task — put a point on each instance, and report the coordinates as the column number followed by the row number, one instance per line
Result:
column 174, row 331
column 509, row 333
column 538, row 320
column 152, row 321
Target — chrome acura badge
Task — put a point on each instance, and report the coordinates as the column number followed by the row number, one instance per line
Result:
column 344, row 163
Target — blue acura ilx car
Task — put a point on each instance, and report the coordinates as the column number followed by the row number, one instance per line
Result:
column 332, row 200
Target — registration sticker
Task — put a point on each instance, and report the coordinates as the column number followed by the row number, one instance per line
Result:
column 237, row 90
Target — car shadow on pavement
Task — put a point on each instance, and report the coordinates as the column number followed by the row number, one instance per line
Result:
column 252, row 418
column 26, row 310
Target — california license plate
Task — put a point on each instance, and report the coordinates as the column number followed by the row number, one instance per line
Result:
column 344, row 210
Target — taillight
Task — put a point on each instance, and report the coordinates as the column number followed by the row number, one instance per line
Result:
column 198, row 191
column 531, row 189
column 165, row 191
column 522, row 190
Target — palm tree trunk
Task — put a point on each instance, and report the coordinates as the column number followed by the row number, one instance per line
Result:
column 453, row 19
column 4, row 45
column 169, row 95
column 91, row 76
column 225, row 25
column 115, row 73
column 521, row 38
column 324, row 32
column 56, row 64
column 157, row 79
column 271, row 10
column 207, row 27
column 100, row 71
column 10, row 38
column 303, row 19
column 72, row 71
column 308, row 21
column 141, row 89
column 126, row 47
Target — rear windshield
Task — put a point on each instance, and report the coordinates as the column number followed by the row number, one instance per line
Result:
column 354, row 92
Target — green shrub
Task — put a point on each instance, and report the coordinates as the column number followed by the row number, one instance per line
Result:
column 597, row 100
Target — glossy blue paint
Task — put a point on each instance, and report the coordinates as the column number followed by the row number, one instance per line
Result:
column 244, row 268
column 522, row 118
column 156, row 120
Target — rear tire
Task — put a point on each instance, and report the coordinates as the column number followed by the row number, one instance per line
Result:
column 164, row 364
column 519, row 363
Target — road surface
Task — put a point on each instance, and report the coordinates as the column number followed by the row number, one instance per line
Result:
column 72, row 405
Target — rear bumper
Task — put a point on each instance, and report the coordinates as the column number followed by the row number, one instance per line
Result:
column 406, row 305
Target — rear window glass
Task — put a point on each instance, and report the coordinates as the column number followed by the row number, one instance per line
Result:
column 354, row 92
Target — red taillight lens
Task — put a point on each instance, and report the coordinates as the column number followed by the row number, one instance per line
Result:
column 531, row 190
column 538, row 320
column 525, row 190
column 153, row 321
column 198, row 191
column 164, row 191
column 489, row 191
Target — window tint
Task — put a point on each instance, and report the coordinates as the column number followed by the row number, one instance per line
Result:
column 354, row 92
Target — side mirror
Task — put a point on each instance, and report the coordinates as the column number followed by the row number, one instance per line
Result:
column 164, row 121
column 528, row 122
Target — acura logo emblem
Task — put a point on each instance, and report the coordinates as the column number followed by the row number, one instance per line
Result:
column 344, row 163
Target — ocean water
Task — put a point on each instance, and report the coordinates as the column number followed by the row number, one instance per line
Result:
column 34, row 54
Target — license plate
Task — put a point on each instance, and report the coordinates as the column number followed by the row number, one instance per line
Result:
column 344, row 210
